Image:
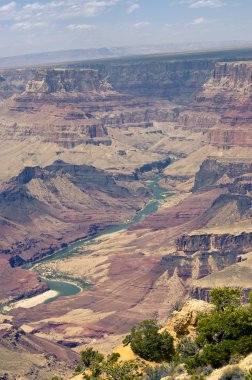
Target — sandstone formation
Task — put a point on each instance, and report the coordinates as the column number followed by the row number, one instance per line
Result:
column 184, row 322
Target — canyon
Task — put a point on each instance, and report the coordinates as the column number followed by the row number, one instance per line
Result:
column 79, row 146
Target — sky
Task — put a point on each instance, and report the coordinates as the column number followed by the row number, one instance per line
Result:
column 49, row 25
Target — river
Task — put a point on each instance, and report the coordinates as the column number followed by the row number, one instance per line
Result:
column 69, row 288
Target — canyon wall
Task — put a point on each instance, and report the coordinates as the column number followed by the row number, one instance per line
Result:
column 223, row 109
column 71, row 107
column 177, row 80
column 157, row 78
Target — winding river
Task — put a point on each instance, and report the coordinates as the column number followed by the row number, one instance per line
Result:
column 66, row 288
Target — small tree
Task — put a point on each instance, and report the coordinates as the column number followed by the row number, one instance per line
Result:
column 149, row 344
column 90, row 357
column 113, row 358
column 225, row 298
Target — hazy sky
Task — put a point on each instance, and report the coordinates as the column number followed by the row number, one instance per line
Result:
column 28, row 27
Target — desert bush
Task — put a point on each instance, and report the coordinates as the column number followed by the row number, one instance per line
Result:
column 187, row 348
column 149, row 344
column 90, row 356
column 234, row 373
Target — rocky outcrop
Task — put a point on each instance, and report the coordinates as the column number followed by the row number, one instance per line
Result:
column 142, row 117
column 71, row 107
column 184, row 322
column 16, row 282
column 64, row 80
column 221, row 172
column 234, row 76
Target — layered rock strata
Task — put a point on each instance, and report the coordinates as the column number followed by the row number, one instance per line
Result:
column 223, row 109
column 72, row 107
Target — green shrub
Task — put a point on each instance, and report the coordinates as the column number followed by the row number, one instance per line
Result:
column 225, row 298
column 90, row 357
column 149, row 344
column 223, row 335
column 195, row 362
column 113, row 358
column 217, row 355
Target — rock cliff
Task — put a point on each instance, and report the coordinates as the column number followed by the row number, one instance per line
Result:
column 68, row 121
column 222, row 243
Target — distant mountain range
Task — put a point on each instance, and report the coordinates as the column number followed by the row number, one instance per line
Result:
column 114, row 52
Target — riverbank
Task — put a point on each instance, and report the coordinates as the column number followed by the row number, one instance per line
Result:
column 47, row 267
column 28, row 303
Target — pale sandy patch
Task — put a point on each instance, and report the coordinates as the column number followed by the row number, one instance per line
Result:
column 34, row 301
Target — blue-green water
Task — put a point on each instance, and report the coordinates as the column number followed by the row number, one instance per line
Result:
column 65, row 288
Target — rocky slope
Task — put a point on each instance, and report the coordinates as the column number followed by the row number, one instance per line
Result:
column 44, row 208
column 62, row 80
column 26, row 356
column 227, row 225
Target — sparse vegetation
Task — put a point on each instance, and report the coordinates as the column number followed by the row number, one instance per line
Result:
column 223, row 337
column 95, row 366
